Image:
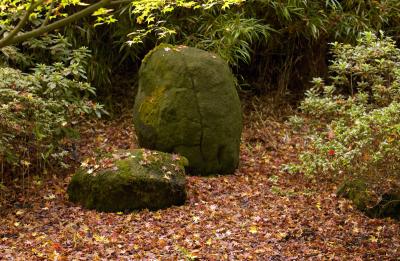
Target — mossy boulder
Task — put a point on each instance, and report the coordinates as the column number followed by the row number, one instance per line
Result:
column 187, row 104
column 367, row 200
column 131, row 180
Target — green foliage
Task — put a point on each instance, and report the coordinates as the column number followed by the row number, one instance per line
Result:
column 298, row 52
column 150, row 12
column 230, row 35
column 118, row 50
column 287, row 37
column 210, row 25
column 111, row 55
column 38, row 110
column 355, row 120
column 26, row 118
column 371, row 67
column 24, row 20
column 353, row 16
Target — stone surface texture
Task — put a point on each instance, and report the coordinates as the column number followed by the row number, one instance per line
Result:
column 187, row 104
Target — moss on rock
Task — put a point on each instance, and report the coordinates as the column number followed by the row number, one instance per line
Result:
column 137, row 179
column 187, row 104
column 359, row 192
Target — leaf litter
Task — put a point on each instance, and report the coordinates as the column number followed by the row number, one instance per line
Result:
column 258, row 213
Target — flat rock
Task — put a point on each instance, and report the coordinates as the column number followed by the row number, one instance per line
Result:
column 131, row 180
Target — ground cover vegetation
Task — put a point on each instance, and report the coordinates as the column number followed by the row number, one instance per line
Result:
column 69, row 76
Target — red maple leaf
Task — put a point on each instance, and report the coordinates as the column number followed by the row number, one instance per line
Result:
column 57, row 246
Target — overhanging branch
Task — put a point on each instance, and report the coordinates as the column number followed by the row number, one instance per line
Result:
column 15, row 39
column 9, row 37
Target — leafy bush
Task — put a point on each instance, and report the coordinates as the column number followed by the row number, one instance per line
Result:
column 228, row 34
column 284, row 39
column 273, row 44
column 298, row 52
column 355, row 120
column 38, row 110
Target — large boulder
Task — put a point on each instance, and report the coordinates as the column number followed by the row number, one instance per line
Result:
column 131, row 180
column 187, row 104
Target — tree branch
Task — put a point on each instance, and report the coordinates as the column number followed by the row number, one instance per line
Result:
column 120, row 2
column 58, row 24
column 46, row 21
column 9, row 37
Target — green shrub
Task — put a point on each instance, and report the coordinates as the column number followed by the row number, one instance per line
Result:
column 229, row 34
column 355, row 120
column 273, row 44
column 37, row 111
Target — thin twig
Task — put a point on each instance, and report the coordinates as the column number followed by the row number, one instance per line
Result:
column 120, row 2
column 46, row 21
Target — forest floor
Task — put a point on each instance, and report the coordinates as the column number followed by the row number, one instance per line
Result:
column 258, row 213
